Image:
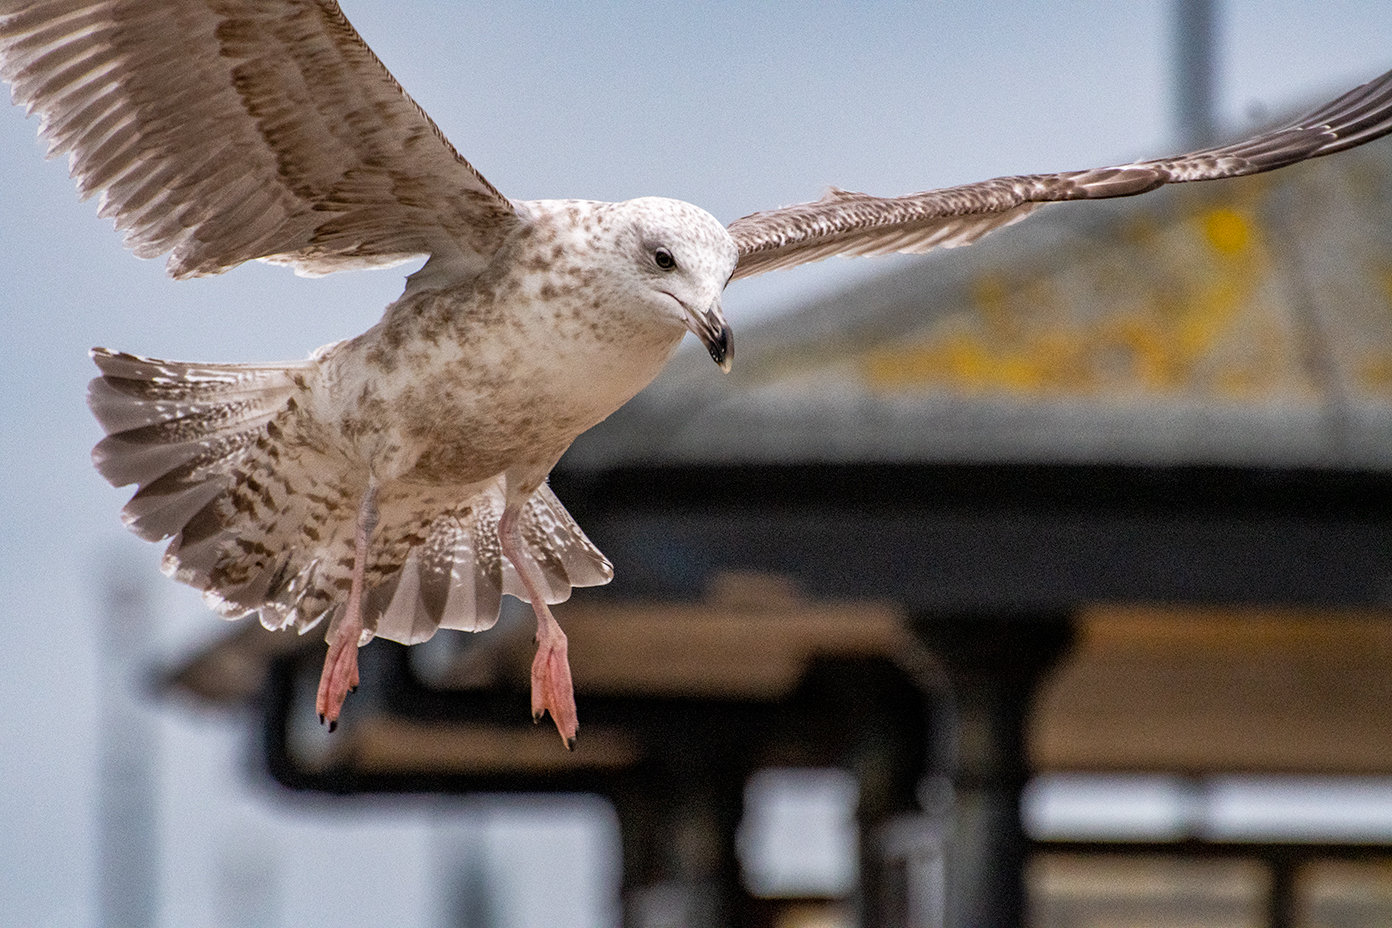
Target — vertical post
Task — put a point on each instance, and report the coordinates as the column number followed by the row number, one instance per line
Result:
column 1281, row 908
column 127, row 848
column 994, row 665
column 460, row 849
column 678, row 820
column 1195, row 71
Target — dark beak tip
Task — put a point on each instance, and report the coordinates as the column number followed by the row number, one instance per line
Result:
column 722, row 348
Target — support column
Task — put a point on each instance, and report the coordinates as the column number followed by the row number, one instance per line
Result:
column 678, row 819
column 128, row 812
column 993, row 665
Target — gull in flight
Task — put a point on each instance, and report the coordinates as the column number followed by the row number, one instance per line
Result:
column 394, row 483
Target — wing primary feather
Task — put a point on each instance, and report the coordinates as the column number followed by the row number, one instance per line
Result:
column 847, row 223
column 197, row 119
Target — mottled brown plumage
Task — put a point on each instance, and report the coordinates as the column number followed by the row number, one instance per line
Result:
column 395, row 482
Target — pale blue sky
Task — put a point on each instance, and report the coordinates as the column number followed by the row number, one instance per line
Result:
column 732, row 106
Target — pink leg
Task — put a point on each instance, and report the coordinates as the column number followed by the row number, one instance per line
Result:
column 340, row 676
column 552, row 690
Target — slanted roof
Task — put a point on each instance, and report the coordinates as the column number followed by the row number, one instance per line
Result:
column 1244, row 322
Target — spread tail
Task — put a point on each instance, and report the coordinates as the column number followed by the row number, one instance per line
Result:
column 260, row 515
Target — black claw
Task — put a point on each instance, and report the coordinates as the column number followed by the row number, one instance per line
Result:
column 536, row 717
column 570, row 743
column 353, row 689
column 321, row 718
column 333, row 726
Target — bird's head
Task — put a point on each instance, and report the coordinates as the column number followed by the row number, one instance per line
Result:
column 683, row 257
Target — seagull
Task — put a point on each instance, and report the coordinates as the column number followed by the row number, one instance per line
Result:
column 395, row 483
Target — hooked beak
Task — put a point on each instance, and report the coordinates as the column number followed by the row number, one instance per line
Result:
column 710, row 327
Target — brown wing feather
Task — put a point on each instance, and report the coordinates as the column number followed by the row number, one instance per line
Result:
column 227, row 130
column 845, row 223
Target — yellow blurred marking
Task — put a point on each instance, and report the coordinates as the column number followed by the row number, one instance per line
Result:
column 1228, row 231
column 1172, row 308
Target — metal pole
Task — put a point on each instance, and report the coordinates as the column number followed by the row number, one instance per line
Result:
column 127, row 842
column 1196, row 71
column 994, row 665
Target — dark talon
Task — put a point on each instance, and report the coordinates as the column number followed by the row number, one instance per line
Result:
column 321, row 718
column 333, row 726
column 570, row 743
column 536, row 717
column 353, row 689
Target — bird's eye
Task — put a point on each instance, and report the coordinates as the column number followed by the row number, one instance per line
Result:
column 663, row 259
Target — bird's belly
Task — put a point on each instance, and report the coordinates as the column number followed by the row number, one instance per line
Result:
column 466, row 445
column 457, row 411
column 474, row 430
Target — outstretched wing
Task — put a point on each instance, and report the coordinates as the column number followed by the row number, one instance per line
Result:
column 846, row 223
column 226, row 130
